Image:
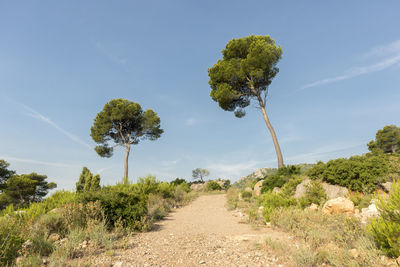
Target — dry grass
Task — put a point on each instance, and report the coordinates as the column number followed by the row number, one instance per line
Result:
column 328, row 239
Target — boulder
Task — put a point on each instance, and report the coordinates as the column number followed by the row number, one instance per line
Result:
column 313, row 207
column 368, row 213
column 334, row 191
column 338, row 205
column 259, row 173
column 198, row 187
column 301, row 188
column 257, row 188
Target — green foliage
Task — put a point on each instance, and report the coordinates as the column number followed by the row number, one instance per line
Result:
column 289, row 188
column 387, row 140
column 360, row 200
column 272, row 201
column 124, row 123
column 178, row 181
column 247, row 63
column 166, row 190
column 315, row 193
column 119, row 204
column 199, row 173
column 227, row 184
column 358, row 173
column 21, row 190
column 289, row 170
column 5, row 173
column 87, row 181
column 282, row 176
column 212, row 186
column 246, row 195
column 386, row 228
column 10, row 240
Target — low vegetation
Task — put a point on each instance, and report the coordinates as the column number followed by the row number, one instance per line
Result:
column 69, row 225
column 335, row 240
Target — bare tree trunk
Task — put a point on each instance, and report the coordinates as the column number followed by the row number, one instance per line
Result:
column 273, row 134
column 128, row 148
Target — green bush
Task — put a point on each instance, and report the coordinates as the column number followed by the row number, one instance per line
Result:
column 56, row 200
column 10, row 240
column 289, row 188
column 145, row 185
column 386, row 228
column 212, row 186
column 282, row 176
column 360, row 200
column 120, row 203
column 246, row 195
column 166, row 189
column 272, row 201
column 178, row 181
column 157, row 207
column 315, row 193
column 358, row 173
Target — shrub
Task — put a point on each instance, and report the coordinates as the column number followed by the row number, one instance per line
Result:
column 227, row 184
column 315, row 193
column 166, row 189
column 10, row 240
column 246, row 194
column 118, row 203
column 178, row 181
column 289, row 188
column 359, row 173
column 360, row 200
column 330, row 236
column 212, row 186
column 272, row 201
column 282, row 176
column 273, row 181
column 386, row 228
column 157, row 207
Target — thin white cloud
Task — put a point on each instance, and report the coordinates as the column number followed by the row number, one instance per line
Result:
column 190, row 121
column 36, row 115
column 391, row 52
column 109, row 55
column 32, row 161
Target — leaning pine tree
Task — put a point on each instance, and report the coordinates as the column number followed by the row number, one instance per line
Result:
column 244, row 74
column 123, row 123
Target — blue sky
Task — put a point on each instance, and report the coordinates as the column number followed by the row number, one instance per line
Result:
column 61, row 61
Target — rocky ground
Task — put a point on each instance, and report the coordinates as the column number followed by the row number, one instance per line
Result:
column 203, row 233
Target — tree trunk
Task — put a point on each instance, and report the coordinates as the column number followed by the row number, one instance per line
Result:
column 273, row 134
column 128, row 148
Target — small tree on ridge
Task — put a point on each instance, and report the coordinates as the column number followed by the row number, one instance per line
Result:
column 200, row 174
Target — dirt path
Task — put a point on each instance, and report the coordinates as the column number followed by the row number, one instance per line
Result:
column 203, row 233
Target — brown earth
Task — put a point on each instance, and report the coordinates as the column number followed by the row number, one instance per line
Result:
column 203, row 233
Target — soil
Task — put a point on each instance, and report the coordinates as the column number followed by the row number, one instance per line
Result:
column 203, row 233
